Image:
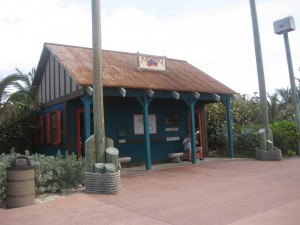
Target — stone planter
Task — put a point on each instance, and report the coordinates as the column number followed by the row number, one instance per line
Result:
column 107, row 183
column 268, row 155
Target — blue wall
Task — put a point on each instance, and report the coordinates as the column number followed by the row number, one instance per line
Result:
column 119, row 114
column 119, row 117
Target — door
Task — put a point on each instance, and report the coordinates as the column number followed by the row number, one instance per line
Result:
column 80, row 126
column 198, row 128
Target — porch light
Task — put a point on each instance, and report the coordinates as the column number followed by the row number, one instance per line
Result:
column 150, row 93
column 122, row 91
column 175, row 94
column 216, row 97
column 89, row 90
column 196, row 95
column 234, row 97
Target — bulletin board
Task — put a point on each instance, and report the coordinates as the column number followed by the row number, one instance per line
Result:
column 138, row 124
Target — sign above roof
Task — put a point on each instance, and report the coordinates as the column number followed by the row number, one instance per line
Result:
column 150, row 62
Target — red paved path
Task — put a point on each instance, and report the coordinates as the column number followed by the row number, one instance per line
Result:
column 235, row 192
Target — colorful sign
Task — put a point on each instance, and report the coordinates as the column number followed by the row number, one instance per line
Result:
column 149, row 62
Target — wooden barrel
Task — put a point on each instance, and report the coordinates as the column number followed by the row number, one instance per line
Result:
column 20, row 183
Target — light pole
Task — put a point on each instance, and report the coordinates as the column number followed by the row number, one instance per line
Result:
column 283, row 26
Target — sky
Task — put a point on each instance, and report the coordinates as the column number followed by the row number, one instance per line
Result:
column 213, row 35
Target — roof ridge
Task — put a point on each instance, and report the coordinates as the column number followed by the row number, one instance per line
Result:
column 113, row 51
column 65, row 45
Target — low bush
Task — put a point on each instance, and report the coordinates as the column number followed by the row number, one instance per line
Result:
column 52, row 173
column 245, row 140
column 285, row 136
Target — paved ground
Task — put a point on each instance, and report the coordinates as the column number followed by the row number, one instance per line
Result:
column 222, row 192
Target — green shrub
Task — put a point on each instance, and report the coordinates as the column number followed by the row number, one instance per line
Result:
column 285, row 136
column 5, row 161
column 291, row 153
column 245, row 140
column 52, row 173
column 16, row 132
column 218, row 141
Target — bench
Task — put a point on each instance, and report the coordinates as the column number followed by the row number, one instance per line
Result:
column 122, row 160
column 179, row 156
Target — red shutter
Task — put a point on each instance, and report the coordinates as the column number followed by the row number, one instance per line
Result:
column 41, row 131
column 34, row 132
column 58, row 127
column 48, row 128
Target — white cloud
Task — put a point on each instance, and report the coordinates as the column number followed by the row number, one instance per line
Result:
column 216, row 38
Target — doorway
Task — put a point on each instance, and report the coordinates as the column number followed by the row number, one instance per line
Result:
column 80, row 127
column 198, row 128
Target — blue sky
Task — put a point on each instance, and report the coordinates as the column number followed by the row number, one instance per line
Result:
column 213, row 35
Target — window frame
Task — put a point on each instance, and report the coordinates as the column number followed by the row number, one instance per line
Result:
column 38, row 129
column 54, row 127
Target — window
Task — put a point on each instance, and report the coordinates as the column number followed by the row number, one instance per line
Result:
column 38, row 130
column 53, row 127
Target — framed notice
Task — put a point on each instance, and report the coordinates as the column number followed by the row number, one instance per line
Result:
column 149, row 62
column 172, row 139
column 138, row 124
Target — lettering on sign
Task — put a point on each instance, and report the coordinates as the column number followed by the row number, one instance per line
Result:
column 172, row 129
column 172, row 138
column 148, row 62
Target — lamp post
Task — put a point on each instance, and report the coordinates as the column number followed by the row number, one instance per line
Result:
column 283, row 26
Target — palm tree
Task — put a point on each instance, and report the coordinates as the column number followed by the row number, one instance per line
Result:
column 273, row 106
column 7, row 83
column 17, row 93
column 285, row 103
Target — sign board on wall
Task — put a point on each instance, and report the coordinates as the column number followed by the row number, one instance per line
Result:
column 149, row 62
column 172, row 139
column 171, row 129
column 138, row 124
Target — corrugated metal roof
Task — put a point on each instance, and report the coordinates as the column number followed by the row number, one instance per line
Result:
column 120, row 70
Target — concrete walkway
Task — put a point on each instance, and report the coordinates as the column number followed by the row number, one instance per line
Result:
column 221, row 192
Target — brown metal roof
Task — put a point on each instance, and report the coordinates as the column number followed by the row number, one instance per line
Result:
column 120, row 70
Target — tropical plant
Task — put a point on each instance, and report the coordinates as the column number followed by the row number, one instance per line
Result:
column 286, row 110
column 285, row 136
column 245, row 112
column 16, row 93
column 274, row 107
column 17, row 102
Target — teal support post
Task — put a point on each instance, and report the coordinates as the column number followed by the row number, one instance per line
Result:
column 226, row 101
column 145, row 102
column 191, row 101
column 87, row 101
column 201, row 108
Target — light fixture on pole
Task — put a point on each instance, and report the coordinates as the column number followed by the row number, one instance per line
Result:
column 283, row 26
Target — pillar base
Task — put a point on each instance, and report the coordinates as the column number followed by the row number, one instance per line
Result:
column 274, row 155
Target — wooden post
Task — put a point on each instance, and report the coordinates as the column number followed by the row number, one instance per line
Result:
column 226, row 102
column 145, row 102
column 99, row 129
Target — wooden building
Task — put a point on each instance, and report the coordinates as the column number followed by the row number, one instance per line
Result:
column 171, row 93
